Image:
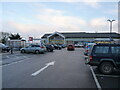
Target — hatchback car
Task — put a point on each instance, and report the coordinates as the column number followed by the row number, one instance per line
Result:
column 105, row 56
column 70, row 47
column 34, row 49
column 4, row 48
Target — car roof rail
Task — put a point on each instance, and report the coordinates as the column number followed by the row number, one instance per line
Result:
column 107, row 44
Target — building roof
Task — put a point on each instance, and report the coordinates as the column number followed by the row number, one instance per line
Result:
column 86, row 35
column 56, row 33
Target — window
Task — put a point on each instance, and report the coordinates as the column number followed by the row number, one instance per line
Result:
column 101, row 49
column 115, row 49
column 33, row 46
column 70, row 45
column 36, row 45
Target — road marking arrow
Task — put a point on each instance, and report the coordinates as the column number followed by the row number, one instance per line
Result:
column 39, row 71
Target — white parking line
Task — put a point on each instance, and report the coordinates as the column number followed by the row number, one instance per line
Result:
column 16, row 57
column 25, row 57
column 12, row 63
column 115, row 76
column 95, row 78
column 7, row 56
column 0, row 62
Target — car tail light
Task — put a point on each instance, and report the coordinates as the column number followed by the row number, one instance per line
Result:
column 86, row 46
column 86, row 50
column 42, row 47
column 90, row 58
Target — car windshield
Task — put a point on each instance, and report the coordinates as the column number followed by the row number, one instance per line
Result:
column 2, row 45
column 70, row 45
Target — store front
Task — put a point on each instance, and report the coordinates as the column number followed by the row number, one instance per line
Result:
column 56, row 38
column 78, row 38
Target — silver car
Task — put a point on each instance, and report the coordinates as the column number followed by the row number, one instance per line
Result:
column 34, row 49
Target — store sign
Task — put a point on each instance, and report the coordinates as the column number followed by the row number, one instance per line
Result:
column 30, row 38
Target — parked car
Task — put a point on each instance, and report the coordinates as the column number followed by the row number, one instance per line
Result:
column 88, row 47
column 70, row 47
column 34, row 49
column 105, row 56
column 62, row 45
column 79, row 45
column 49, row 47
column 57, row 46
column 4, row 48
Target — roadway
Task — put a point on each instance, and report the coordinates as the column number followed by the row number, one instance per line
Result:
column 58, row 69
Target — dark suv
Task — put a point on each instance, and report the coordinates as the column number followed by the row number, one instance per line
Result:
column 105, row 56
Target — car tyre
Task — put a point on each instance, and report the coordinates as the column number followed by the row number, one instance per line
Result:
column 106, row 68
column 37, row 52
column 22, row 51
column 8, row 50
column 49, row 50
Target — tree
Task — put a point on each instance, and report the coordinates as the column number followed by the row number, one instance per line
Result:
column 4, row 40
column 15, row 36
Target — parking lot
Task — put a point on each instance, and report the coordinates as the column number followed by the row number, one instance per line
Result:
column 58, row 69
column 108, row 81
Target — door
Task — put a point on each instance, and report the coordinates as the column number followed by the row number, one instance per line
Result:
column 115, row 50
column 30, row 48
column 100, row 52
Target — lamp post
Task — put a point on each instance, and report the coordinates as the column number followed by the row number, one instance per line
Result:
column 110, row 28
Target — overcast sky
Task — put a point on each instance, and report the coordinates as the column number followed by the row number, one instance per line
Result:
column 37, row 18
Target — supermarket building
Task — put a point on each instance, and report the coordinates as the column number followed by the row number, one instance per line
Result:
column 78, row 37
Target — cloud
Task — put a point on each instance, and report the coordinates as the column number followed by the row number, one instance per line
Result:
column 27, row 27
column 98, row 22
column 37, row 30
column 57, row 18
column 102, row 25
column 51, row 20
column 57, row 0
column 112, row 11
column 115, row 26
column 93, row 3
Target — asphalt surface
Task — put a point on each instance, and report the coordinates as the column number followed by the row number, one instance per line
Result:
column 58, row 69
column 108, row 81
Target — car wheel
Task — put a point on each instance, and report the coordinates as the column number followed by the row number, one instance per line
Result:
column 8, row 50
column 22, row 51
column 106, row 68
column 49, row 50
column 37, row 52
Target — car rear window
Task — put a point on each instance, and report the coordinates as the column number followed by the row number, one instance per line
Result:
column 71, row 45
column 101, row 49
column 115, row 49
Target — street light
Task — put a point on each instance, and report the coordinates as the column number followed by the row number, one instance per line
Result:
column 110, row 28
